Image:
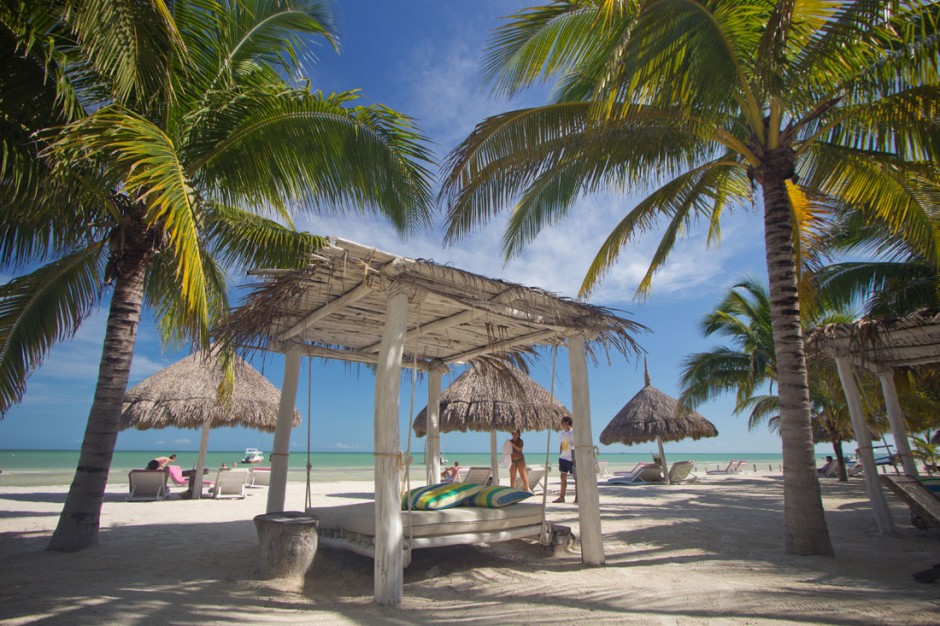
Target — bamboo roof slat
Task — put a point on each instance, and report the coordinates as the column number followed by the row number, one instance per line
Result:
column 336, row 307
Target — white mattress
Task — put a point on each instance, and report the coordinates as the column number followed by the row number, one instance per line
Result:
column 360, row 518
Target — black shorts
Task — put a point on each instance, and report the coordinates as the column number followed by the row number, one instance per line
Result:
column 565, row 466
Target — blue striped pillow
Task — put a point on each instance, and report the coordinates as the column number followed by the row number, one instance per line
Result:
column 932, row 484
column 496, row 496
column 437, row 497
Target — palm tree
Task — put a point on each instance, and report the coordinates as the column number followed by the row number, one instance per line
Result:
column 749, row 365
column 705, row 101
column 170, row 141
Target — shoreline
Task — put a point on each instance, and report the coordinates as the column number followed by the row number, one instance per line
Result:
column 700, row 553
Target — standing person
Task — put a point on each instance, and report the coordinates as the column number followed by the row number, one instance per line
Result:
column 160, row 462
column 517, row 460
column 566, row 457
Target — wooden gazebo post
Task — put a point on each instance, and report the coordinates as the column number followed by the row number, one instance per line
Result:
column 277, row 491
column 863, row 437
column 589, row 518
column 896, row 419
column 389, row 563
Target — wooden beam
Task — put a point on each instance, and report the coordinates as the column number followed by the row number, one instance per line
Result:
column 896, row 419
column 438, row 324
column 863, row 437
column 502, row 346
column 285, row 417
column 389, row 539
column 589, row 511
column 358, row 293
column 367, row 286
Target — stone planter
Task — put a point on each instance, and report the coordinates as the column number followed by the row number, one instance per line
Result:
column 288, row 543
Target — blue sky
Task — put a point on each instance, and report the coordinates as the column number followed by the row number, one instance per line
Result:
column 422, row 57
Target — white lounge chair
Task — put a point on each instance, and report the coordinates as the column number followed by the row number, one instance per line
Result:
column 147, row 485
column 477, row 476
column 601, row 469
column 681, row 472
column 642, row 473
column 260, row 477
column 230, row 484
column 536, row 474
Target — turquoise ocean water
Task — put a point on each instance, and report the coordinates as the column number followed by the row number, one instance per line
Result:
column 57, row 467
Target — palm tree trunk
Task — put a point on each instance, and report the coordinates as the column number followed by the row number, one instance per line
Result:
column 805, row 521
column 840, row 459
column 80, row 518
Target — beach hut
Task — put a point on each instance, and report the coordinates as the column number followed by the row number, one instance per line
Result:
column 651, row 415
column 186, row 395
column 359, row 304
column 493, row 398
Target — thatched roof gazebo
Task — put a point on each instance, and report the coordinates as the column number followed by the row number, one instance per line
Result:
column 359, row 304
column 186, row 395
column 880, row 345
column 493, row 399
column 651, row 415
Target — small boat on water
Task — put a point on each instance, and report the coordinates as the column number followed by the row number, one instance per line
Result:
column 252, row 455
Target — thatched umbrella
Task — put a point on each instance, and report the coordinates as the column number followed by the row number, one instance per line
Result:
column 186, row 395
column 487, row 398
column 651, row 415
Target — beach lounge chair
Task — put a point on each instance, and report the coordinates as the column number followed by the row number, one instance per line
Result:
column 260, row 477
column 641, row 474
column 176, row 475
column 601, row 469
column 733, row 467
column 478, row 476
column 536, row 475
column 681, row 472
column 230, row 484
column 924, row 504
column 148, row 485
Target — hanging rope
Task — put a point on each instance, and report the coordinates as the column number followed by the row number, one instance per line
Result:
column 308, row 502
column 545, row 536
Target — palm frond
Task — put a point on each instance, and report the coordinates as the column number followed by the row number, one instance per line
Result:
column 543, row 42
column 142, row 156
column 266, row 149
column 244, row 239
column 131, row 44
column 41, row 308
column 707, row 375
column 699, row 193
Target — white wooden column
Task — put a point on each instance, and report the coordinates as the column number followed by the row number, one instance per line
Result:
column 201, row 461
column 389, row 562
column 896, row 419
column 589, row 517
column 277, row 490
column 865, row 454
column 432, row 459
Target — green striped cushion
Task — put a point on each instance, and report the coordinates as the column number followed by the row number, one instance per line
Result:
column 436, row 497
column 495, row 497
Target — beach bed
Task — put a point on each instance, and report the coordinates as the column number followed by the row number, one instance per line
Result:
column 352, row 526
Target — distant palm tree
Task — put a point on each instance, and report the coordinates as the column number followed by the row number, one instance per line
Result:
column 748, row 367
column 149, row 145
column 814, row 103
column 891, row 278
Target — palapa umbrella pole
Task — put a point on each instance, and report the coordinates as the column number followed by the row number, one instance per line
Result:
column 662, row 459
column 494, row 460
column 201, row 462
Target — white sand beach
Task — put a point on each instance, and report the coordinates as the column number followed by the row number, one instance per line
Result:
column 704, row 553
